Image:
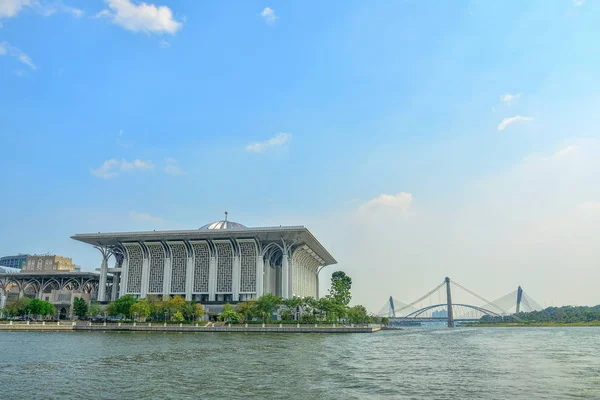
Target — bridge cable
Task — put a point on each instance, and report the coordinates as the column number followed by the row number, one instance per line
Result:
column 482, row 299
column 421, row 298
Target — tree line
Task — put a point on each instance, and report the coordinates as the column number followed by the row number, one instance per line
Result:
column 24, row 306
column 331, row 308
column 561, row 315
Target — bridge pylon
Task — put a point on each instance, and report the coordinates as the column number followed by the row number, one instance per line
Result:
column 519, row 297
column 392, row 313
column 449, row 303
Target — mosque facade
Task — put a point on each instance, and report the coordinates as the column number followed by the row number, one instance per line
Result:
column 223, row 261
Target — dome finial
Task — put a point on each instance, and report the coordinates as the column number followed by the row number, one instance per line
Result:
column 226, row 216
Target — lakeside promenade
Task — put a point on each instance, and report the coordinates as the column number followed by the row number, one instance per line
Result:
column 208, row 328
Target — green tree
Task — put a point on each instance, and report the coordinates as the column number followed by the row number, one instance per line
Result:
column 177, row 303
column 158, row 306
column 141, row 309
column 358, row 314
column 198, row 311
column 177, row 317
column 266, row 305
column 18, row 307
column 47, row 309
column 80, row 307
column 94, row 310
column 229, row 315
column 286, row 314
column 122, row 306
column 246, row 309
column 292, row 305
column 340, row 288
column 35, row 307
column 188, row 310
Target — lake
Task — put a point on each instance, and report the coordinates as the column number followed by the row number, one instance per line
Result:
column 416, row 363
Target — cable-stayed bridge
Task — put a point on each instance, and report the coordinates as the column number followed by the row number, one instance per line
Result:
column 437, row 305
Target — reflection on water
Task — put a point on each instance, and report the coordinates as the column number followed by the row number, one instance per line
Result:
column 440, row 363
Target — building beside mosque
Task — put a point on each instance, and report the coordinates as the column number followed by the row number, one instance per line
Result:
column 223, row 261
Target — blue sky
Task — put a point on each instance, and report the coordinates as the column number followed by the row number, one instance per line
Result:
column 341, row 116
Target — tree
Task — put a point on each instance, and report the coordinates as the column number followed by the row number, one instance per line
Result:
column 177, row 317
column 246, row 309
column 340, row 288
column 80, row 307
column 228, row 315
column 292, row 305
column 47, row 308
column 94, row 310
column 158, row 307
column 141, row 309
column 122, row 306
column 40, row 307
column 266, row 305
column 176, row 304
column 35, row 307
column 358, row 314
column 198, row 311
column 286, row 315
column 18, row 307
column 188, row 310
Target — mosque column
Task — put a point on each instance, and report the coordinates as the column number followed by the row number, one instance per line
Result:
column 236, row 276
column 285, row 277
column 189, row 279
column 115, row 286
column 145, row 275
column 212, row 278
column 260, row 267
column 2, row 299
column 103, row 272
column 267, row 274
column 123, row 278
column 167, row 276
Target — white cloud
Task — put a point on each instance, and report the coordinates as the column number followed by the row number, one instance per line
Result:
column 508, row 98
column 400, row 201
column 145, row 217
column 111, row 168
column 141, row 17
column 278, row 140
column 164, row 44
column 268, row 15
column 7, row 49
column 171, row 167
column 578, row 3
column 565, row 151
column 10, row 8
column 511, row 120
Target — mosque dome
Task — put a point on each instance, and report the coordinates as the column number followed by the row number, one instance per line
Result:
column 223, row 224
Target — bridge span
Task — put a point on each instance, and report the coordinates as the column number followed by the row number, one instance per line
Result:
column 455, row 312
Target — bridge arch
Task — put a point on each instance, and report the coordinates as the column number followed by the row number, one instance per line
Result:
column 482, row 310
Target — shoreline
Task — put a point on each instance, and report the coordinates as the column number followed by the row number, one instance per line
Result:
column 250, row 328
column 535, row 325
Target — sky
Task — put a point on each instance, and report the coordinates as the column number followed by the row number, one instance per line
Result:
column 415, row 139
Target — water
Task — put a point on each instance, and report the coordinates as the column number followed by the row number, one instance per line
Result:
column 464, row 363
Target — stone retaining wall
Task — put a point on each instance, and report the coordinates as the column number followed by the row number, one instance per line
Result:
column 53, row 326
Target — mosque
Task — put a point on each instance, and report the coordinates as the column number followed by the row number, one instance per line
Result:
column 223, row 261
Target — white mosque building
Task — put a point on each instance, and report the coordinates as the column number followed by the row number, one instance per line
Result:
column 223, row 261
